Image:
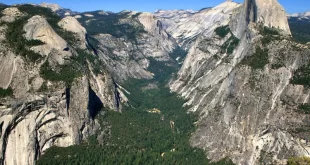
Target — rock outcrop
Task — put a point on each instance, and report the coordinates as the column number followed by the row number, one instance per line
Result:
column 38, row 28
column 72, row 25
column 10, row 14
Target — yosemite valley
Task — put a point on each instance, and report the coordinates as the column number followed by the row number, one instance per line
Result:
column 224, row 85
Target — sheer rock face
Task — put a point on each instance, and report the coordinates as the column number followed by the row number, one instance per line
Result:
column 31, row 121
column 246, row 114
column 72, row 25
column 123, row 68
column 156, row 38
column 126, row 58
column 33, row 124
column 7, row 69
column 266, row 12
column 106, row 90
column 272, row 14
column 186, row 26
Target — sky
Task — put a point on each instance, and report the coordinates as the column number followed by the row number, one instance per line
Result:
column 291, row 6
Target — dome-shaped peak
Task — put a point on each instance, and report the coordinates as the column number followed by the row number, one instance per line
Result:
column 270, row 13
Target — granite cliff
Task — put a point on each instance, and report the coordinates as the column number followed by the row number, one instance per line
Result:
column 240, row 79
column 50, row 91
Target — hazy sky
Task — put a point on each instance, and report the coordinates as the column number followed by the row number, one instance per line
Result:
column 291, row 6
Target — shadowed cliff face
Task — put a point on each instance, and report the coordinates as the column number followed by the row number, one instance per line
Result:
column 68, row 99
column 251, row 11
column 94, row 104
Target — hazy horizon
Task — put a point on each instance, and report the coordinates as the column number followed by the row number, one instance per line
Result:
column 291, row 7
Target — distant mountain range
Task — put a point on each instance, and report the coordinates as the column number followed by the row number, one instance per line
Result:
column 305, row 14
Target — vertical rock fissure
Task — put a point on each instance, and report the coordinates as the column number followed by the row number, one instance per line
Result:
column 81, row 132
column 116, row 95
column 37, row 153
column 160, row 26
column 1, row 127
column 68, row 99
